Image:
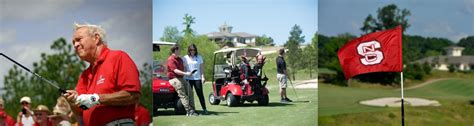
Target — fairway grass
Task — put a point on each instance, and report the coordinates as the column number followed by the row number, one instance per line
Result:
column 339, row 105
column 303, row 111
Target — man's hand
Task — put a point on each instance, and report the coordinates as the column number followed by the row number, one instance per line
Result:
column 70, row 96
column 86, row 101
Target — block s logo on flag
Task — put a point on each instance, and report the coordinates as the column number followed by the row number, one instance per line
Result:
column 375, row 52
column 370, row 54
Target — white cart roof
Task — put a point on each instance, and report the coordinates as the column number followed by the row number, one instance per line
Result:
column 250, row 52
column 163, row 43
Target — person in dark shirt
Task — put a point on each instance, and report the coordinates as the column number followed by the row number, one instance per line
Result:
column 282, row 75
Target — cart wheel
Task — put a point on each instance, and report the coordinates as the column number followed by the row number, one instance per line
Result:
column 232, row 100
column 263, row 101
column 213, row 100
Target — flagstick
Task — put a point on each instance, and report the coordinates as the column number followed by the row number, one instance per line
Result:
column 403, row 110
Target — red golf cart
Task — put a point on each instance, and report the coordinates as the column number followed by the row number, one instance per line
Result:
column 228, row 82
column 164, row 95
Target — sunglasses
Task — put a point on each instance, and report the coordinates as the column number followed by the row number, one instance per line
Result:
column 25, row 103
column 38, row 114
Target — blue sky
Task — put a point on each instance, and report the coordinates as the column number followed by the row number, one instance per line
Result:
column 452, row 19
column 273, row 18
column 29, row 27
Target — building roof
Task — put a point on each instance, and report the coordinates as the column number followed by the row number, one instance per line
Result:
column 219, row 35
column 448, row 60
column 225, row 34
column 240, row 51
column 244, row 35
column 228, row 33
column 454, row 47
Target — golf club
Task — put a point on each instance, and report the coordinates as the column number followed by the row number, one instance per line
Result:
column 297, row 99
column 42, row 78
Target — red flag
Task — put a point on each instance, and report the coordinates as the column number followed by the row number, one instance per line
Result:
column 374, row 52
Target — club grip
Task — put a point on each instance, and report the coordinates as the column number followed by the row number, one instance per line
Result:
column 83, row 107
column 62, row 91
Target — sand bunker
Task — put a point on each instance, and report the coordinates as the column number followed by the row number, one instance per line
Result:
column 307, row 84
column 396, row 102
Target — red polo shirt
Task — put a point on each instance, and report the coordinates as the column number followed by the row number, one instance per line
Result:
column 9, row 121
column 174, row 62
column 113, row 71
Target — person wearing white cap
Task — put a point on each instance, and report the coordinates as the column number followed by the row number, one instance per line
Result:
column 41, row 113
column 25, row 117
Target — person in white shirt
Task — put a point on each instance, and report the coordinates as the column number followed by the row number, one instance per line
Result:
column 25, row 117
column 193, row 61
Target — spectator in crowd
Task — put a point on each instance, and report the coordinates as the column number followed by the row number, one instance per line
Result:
column 60, row 117
column 41, row 113
column 5, row 119
column 25, row 116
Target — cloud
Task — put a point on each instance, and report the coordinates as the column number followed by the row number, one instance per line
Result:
column 7, row 36
column 132, row 33
column 440, row 29
column 35, row 9
column 468, row 7
column 25, row 54
column 356, row 25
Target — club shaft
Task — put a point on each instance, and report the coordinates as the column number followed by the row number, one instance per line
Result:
column 293, row 88
column 42, row 78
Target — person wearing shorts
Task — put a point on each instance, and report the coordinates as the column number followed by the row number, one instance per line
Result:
column 282, row 75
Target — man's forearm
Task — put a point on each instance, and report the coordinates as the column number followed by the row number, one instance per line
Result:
column 120, row 98
column 179, row 72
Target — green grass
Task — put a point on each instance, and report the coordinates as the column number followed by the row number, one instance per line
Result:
column 326, row 70
column 449, row 114
column 339, row 105
column 301, row 113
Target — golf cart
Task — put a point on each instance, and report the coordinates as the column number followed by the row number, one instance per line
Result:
column 164, row 94
column 230, row 85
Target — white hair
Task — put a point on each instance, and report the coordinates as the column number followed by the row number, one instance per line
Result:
column 92, row 30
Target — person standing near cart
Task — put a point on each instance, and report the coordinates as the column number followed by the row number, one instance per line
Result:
column 175, row 74
column 282, row 75
column 194, row 61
